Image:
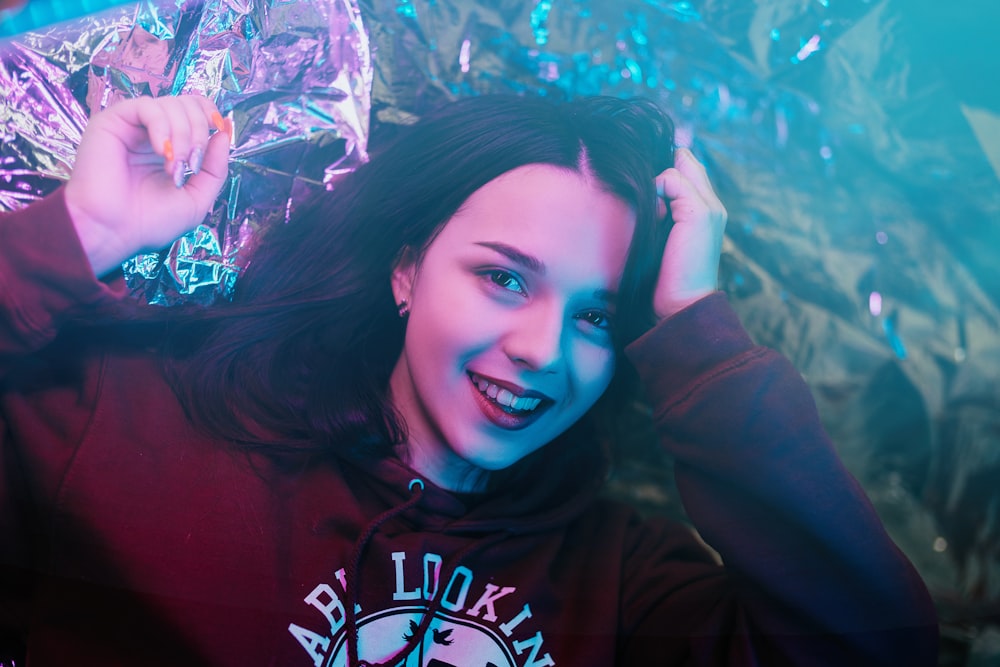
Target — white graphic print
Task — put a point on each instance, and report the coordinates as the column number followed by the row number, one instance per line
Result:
column 449, row 642
column 477, row 626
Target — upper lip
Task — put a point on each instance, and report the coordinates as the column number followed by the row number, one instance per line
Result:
column 517, row 390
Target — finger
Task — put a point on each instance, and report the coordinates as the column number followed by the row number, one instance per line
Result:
column 170, row 133
column 673, row 184
column 697, row 174
column 199, row 121
column 166, row 127
column 687, row 204
column 661, row 208
column 204, row 186
column 183, row 134
column 140, row 124
column 685, row 196
column 177, row 127
column 210, row 110
column 690, row 166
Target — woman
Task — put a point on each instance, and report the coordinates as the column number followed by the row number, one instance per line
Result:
column 388, row 449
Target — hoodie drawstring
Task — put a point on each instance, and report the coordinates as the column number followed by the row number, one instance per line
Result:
column 353, row 582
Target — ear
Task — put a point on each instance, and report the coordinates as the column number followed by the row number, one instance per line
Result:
column 403, row 275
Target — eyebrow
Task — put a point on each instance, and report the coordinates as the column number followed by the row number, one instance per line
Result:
column 537, row 266
column 513, row 254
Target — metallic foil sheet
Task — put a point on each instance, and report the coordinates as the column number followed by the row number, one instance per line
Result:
column 863, row 232
column 863, row 202
column 295, row 78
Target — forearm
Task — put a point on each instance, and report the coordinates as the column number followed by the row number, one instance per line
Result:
column 805, row 551
column 44, row 274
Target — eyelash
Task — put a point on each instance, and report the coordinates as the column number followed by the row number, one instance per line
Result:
column 605, row 319
column 501, row 278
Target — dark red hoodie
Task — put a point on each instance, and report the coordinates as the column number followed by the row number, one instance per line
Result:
column 131, row 538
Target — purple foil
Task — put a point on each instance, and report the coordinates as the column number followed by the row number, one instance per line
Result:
column 295, row 78
column 848, row 172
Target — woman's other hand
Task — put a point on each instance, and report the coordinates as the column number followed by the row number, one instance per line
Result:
column 147, row 171
column 690, row 266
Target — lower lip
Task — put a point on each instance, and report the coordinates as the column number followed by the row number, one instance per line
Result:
column 500, row 417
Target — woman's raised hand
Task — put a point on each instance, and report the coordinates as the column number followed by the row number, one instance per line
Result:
column 690, row 266
column 129, row 192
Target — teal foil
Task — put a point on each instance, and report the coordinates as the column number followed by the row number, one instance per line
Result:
column 851, row 164
column 855, row 153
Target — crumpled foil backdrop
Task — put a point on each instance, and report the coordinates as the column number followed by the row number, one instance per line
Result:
column 859, row 169
column 295, row 78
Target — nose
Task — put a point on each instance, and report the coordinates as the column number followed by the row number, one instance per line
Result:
column 535, row 338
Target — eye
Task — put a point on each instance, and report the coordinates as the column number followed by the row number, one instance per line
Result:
column 596, row 318
column 505, row 280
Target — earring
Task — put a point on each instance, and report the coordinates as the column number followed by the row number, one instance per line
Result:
column 404, row 308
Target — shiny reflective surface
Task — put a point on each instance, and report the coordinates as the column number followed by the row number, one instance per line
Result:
column 856, row 145
column 294, row 77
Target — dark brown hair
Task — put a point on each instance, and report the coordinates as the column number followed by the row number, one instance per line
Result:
column 307, row 346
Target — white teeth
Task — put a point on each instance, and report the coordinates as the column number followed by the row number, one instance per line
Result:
column 525, row 403
column 505, row 397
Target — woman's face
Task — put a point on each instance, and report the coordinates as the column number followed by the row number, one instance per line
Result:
column 508, row 341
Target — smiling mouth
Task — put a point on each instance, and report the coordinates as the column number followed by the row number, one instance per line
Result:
column 518, row 404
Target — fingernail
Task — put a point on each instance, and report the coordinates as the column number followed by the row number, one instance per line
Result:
column 168, row 151
column 229, row 128
column 196, row 158
column 218, row 122
column 179, row 174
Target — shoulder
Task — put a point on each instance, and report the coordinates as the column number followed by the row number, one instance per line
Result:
column 55, row 397
column 617, row 524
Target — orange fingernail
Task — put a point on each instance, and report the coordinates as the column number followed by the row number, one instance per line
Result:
column 218, row 122
column 168, row 151
column 229, row 128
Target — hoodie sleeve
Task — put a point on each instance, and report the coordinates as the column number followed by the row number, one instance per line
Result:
column 44, row 274
column 809, row 575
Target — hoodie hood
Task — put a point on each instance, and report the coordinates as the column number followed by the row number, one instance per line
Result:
column 538, row 502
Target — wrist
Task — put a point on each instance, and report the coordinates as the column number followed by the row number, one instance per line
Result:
column 100, row 245
column 668, row 305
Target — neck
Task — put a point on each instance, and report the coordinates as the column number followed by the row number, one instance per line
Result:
column 446, row 474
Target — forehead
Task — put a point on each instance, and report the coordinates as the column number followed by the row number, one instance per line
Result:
column 559, row 216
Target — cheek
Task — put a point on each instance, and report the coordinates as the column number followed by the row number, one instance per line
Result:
column 445, row 328
column 455, row 312
column 594, row 367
